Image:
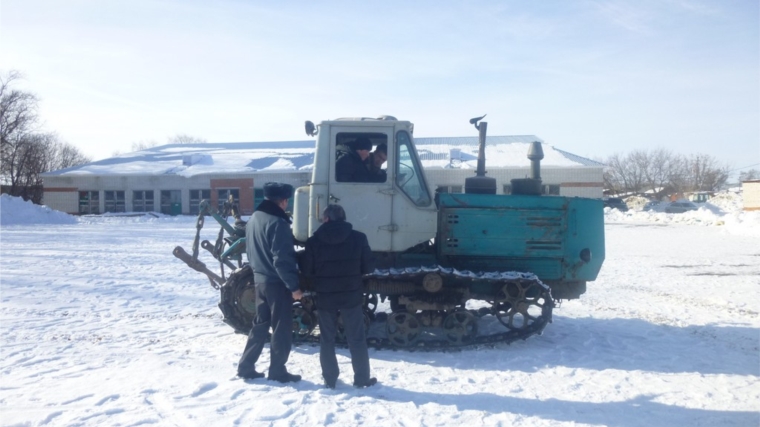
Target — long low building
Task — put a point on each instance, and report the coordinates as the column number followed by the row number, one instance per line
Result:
column 174, row 178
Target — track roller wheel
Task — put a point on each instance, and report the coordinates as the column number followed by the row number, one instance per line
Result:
column 403, row 329
column 460, row 327
column 519, row 304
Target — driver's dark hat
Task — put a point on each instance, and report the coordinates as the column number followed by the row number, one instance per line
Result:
column 362, row 144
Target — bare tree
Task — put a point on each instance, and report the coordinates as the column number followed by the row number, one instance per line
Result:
column 704, row 173
column 18, row 109
column 626, row 174
column 18, row 117
column 749, row 175
column 182, row 138
column 27, row 152
column 638, row 166
column 678, row 176
column 662, row 170
column 661, row 164
column 23, row 165
column 614, row 175
column 143, row 145
column 65, row 155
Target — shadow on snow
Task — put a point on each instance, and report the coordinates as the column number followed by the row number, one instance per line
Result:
column 641, row 410
column 599, row 344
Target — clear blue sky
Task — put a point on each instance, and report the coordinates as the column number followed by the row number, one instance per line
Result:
column 590, row 77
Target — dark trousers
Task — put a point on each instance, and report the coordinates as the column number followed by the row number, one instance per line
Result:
column 353, row 324
column 274, row 308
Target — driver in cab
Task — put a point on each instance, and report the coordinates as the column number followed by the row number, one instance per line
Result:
column 350, row 165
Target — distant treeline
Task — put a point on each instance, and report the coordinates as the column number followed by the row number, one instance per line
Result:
column 661, row 171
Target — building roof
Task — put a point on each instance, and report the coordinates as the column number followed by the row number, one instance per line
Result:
column 247, row 157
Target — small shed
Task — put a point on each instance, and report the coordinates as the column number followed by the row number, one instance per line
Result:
column 751, row 194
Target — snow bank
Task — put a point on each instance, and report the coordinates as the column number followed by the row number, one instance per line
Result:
column 727, row 201
column 725, row 210
column 15, row 211
column 738, row 222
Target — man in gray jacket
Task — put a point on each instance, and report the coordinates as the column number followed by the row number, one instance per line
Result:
column 269, row 246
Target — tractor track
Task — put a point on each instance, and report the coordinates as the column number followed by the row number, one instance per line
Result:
column 520, row 292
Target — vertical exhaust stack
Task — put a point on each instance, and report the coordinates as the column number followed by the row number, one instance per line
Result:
column 531, row 186
column 480, row 184
column 535, row 155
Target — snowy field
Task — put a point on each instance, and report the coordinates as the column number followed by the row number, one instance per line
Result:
column 102, row 326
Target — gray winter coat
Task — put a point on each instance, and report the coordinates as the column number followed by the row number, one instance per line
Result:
column 269, row 245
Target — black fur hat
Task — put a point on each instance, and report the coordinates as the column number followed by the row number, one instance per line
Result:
column 361, row 144
column 278, row 190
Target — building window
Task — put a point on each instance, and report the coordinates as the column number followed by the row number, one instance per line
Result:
column 142, row 201
column 89, row 202
column 195, row 200
column 258, row 197
column 171, row 202
column 507, row 188
column 223, row 194
column 449, row 189
column 551, row 189
column 114, row 201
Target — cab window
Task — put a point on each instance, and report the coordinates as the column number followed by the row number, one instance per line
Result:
column 409, row 177
column 360, row 157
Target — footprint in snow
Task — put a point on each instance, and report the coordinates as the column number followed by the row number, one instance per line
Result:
column 203, row 389
column 107, row 398
column 76, row 399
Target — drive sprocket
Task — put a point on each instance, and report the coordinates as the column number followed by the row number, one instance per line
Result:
column 238, row 300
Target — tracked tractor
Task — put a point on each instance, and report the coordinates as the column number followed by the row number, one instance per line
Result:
column 453, row 269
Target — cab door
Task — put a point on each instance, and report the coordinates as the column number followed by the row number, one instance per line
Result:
column 414, row 213
column 368, row 205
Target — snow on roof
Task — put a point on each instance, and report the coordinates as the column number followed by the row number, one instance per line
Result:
column 246, row 157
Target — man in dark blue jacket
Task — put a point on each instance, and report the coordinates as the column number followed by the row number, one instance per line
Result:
column 269, row 246
column 350, row 166
column 336, row 257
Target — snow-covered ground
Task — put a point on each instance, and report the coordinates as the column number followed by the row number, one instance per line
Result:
column 101, row 325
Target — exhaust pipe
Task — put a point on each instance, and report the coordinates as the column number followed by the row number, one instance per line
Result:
column 480, row 184
column 531, row 186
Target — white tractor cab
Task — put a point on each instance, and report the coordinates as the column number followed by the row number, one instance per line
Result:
column 396, row 214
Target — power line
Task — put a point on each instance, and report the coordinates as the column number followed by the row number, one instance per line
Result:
column 745, row 167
